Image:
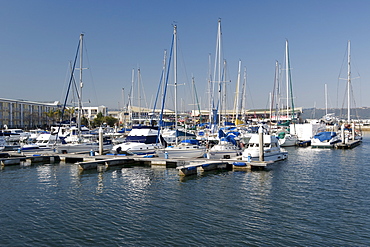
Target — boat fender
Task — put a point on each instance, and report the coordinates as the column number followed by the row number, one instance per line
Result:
column 240, row 164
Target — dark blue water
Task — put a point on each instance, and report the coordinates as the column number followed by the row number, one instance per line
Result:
column 315, row 198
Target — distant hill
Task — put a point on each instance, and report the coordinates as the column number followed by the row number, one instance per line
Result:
column 356, row 113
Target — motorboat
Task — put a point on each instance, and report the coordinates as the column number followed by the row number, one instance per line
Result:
column 140, row 140
column 223, row 150
column 271, row 149
column 325, row 139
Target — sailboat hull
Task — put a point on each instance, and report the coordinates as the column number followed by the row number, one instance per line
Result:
column 175, row 152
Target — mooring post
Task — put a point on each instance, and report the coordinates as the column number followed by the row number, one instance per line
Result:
column 353, row 131
column 260, row 134
column 342, row 133
column 100, row 141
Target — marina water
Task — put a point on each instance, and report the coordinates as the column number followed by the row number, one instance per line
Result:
column 315, row 198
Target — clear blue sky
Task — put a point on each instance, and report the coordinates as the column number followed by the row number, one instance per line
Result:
column 40, row 37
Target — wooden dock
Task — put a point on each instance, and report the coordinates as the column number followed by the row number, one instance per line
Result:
column 95, row 162
column 348, row 145
column 106, row 163
column 244, row 165
column 185, row 167
column 193, row 167
column 17, row 159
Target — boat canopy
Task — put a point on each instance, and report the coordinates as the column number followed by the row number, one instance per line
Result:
column 325, row 136
column 191, row 141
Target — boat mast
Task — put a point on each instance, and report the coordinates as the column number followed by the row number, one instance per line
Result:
column 326, row 99
column 210, row 89
column 238, row 93
column 275, row 92
column 175, row 74
column 218, row 60
column 132, row 95
column 243, row 100
column 138, row 93
column 349, row 82
column 271, row 102
column 81, row 86
column 217, row 70
column 287, row 78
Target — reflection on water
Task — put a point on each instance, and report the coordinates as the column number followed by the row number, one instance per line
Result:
column 316, row 197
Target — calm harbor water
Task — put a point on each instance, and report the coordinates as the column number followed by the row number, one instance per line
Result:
column 315, row 198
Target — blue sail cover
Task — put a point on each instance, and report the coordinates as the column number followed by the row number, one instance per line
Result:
column 166, row 124
column 191, row 141
column 229, row 136
column 182, row 133
column 221, row 133
column 325, row 136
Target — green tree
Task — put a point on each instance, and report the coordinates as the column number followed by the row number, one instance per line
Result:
column 50, row 116
column 111, row 121
column 98, row 120
column 57, row 114
column 84, row 121
column 70, row 111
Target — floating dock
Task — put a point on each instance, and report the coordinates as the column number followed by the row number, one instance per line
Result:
column 193, row 167
column 243, row 165
column 348, row 145
column 90, row 165
column 185, row 167
column 8, row 160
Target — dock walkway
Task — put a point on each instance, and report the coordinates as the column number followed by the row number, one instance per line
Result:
column 348, row 145
column 185, row 167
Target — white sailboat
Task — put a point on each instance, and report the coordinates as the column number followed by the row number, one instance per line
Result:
column 82, row 145
column 224, row 149
column 348, row 131
column 187, row 148
column 288, row 138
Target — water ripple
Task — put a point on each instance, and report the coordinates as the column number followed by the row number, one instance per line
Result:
column 315, row 198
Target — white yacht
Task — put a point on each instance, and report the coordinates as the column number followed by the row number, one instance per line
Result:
column 271, row 149
column 185, row 149
column 140, row 140
column 223, row 150
column 325, row 139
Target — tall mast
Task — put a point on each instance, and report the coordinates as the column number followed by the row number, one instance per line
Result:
column 219, row 68
column 131, row 99
column 275, row 92
column 175, row 73
column 210, row 89
column 138, row 92
column 243, row 100
column 326, row 99
column 81, row 85
column 271, row 102
column 349, row 82
column 238, row 92
column 287, row 78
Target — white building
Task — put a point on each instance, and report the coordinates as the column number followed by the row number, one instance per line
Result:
column 25, row 114
column 90, row 112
